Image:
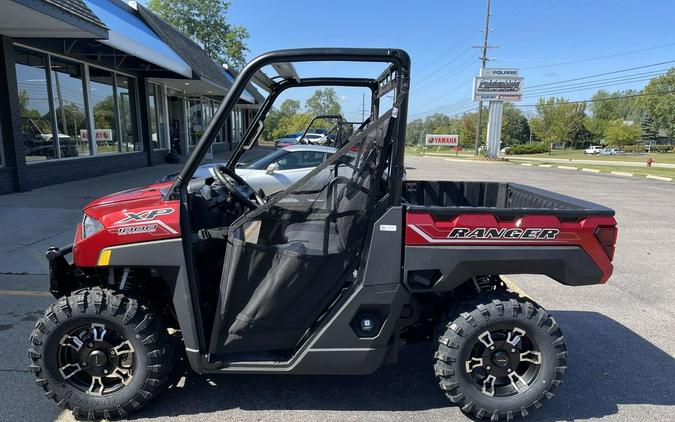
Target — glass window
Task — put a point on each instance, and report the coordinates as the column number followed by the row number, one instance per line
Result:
column 157, row 130
column 237, row 125
column 301, row 160
column 35, row 110
column 195, row 120
column 71, row 116
column 102, row 96
column 219, row 138
column 126, row 93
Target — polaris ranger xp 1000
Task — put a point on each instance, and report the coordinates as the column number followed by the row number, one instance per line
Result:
column 330, row 276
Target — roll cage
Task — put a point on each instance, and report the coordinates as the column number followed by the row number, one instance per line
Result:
column 394, row 78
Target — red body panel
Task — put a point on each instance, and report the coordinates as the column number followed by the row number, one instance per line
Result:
column 424, row 229
column 137, row 215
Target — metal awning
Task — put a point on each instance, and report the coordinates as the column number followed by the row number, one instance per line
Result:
column 49, row 19
column 130, row 34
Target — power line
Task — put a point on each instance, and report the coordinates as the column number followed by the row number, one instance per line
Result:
column 555, row 87
column 618, row 97
column 604, row 74
column 590, row 59
column 597, row 84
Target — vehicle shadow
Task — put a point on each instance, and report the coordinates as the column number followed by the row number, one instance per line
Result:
column 609, row 365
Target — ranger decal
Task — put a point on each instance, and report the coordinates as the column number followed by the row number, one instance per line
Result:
column 493, row 233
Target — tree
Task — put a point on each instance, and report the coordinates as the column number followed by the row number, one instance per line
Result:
column 560, row 121
column 515, row 129
column 205, row 21
column 620, row 134
column 414, row 133
column 289, row 107
column 659, row 100
column 649, row 134
column 622, row 105
column 323, row 101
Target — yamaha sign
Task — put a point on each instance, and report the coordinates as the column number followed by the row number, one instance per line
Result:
column 442, row 140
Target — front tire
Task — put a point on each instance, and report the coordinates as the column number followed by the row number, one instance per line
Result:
column 500, row 356
column 100, row 354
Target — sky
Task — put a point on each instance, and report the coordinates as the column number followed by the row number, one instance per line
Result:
column 548, row 40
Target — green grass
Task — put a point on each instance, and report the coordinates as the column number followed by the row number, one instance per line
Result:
column 659, row 157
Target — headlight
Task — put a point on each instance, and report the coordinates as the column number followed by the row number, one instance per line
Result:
column 90, row 226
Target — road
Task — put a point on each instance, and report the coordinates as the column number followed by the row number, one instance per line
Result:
column 620, row 336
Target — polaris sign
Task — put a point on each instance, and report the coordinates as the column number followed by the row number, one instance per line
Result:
column 503, row 73
column 498, row 85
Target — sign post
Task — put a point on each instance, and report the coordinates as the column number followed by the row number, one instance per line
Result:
column 497, row 86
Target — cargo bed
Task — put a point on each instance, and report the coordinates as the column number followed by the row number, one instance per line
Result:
column 499, row 198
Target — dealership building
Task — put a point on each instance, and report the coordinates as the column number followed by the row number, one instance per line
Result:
column 93, row 87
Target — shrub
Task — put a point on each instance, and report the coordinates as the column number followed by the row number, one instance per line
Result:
column 662, row 148
column 527, row 149
column 634, row 148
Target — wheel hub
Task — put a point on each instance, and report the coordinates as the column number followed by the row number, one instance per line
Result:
column 500, row 358
column 97, row 358
column 503, row 362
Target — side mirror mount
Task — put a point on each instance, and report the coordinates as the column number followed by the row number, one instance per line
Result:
column 272, row 168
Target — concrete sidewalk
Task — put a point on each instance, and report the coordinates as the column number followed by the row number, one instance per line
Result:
column 30, row 222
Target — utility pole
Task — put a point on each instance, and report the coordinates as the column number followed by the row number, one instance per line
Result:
column 363, row 107
column 484, row 59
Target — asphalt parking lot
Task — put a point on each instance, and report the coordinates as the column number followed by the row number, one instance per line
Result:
column 620, row 336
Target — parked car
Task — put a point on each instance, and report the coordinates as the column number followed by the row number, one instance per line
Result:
column 41, row 144
column 297, row 138
column 273, row 172
column 593, row 149
column 609, row 151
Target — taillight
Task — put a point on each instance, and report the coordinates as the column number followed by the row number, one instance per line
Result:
column 607, row 238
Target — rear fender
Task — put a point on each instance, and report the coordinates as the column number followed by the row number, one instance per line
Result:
column 443, row 252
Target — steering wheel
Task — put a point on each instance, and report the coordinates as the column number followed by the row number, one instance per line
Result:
column 238, row 187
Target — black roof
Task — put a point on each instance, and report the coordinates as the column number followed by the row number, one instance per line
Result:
column 79, row 9
column 193, row 54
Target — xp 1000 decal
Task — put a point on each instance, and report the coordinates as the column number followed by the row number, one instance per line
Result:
column 143, row 222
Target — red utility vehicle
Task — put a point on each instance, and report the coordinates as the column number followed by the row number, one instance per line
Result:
column 330, row 276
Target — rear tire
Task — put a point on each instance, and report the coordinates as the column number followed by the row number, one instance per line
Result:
column 100, row 354
column 500, row 356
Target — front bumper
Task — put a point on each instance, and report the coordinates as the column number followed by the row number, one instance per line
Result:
column 61, row 275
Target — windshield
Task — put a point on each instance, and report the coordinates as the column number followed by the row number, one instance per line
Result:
column 262, row 163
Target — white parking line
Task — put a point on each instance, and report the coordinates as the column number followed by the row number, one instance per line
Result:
column 622, row 173
column 526, row 164
column 545, row 165
column 23, row 293
column 514, row 287
column 591, row 170
column 568, row 168
column 665, row 179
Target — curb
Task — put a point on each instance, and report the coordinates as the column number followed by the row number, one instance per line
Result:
column 545, row 165
column 622, row 173
column 591, row 170
column 526, row 164
column 568, row 168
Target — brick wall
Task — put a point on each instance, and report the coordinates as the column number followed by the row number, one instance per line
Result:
column 6, row 180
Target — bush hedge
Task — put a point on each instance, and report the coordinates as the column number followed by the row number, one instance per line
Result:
column 655, row 148
column 527, row 149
